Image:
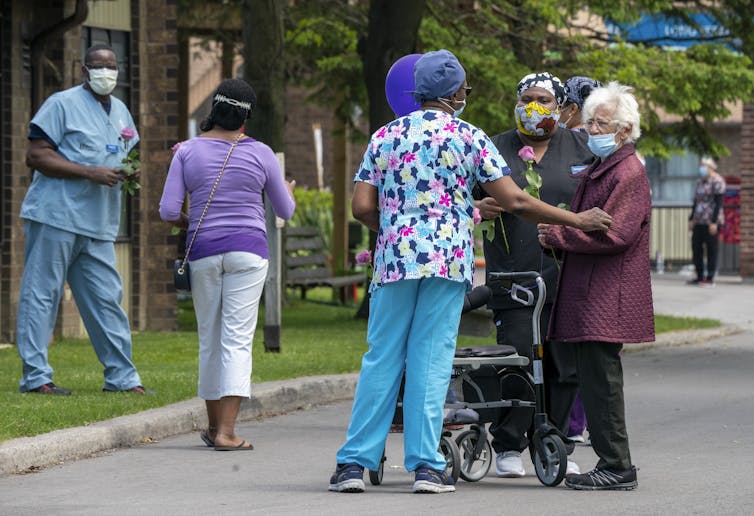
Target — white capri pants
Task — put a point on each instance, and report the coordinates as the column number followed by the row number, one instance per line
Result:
column 226, row 289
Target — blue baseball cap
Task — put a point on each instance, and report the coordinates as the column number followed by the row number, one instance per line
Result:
column 437, row 74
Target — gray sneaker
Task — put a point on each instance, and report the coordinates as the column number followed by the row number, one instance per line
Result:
column 428, row 480
column 348, row 478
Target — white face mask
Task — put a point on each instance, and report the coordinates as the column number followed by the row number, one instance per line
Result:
column 102, row 81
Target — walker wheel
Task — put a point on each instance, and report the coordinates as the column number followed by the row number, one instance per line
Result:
column 375, row 477
column 449, row 449
column 476, row 457
column 550, row 460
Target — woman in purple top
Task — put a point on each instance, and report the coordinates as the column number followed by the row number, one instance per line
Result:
column 604, row 295
column 229, row 255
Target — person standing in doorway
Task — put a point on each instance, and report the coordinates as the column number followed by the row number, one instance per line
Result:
column 71, row 216
column 705, row 221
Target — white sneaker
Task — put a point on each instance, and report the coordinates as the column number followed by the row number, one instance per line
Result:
column 572, row 469
column 508, row 464
column 578, row 438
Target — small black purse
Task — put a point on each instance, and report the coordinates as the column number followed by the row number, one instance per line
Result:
column 182, row 275
column 181, row 270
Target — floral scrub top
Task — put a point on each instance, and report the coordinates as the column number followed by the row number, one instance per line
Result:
column 424, row 166
column 708, row 202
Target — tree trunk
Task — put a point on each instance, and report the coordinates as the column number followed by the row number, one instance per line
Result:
column 393, row 32
column 264, row 42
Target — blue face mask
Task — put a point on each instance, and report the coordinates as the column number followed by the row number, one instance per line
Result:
column 702, row 171
column 458, row 111
column 602, row 145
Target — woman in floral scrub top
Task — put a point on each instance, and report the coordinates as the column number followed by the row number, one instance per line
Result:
column 414, row 188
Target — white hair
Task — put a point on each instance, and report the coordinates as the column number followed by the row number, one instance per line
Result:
column 618, row 99
column 708, row 161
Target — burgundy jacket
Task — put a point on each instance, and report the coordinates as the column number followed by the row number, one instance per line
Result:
column 604, row 290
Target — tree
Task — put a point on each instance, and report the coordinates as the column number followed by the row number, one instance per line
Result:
column 392, row 34
column 264, row 56
column 500, row 41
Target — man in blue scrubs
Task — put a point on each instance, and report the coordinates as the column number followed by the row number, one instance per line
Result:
column 71, row 217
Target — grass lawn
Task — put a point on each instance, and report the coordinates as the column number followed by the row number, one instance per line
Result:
column 316, row 338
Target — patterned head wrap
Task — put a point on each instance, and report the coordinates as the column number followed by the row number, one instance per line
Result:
column 578, row 88
column 542, row 80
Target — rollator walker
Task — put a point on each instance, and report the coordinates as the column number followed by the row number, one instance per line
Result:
column 481, row 372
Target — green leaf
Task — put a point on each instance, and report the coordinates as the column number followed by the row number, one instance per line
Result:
column 532, row 190
column 533, row 178
column 564, row 206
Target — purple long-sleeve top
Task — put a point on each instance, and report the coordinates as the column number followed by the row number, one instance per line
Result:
column 604, row 291
column 235, row 219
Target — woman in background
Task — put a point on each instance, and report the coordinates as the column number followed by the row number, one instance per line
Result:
column 229, row 254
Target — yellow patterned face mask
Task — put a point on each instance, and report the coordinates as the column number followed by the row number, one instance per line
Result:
column 534, row 119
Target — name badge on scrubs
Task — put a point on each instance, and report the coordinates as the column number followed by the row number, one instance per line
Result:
column 575, row 169
column 112, row 149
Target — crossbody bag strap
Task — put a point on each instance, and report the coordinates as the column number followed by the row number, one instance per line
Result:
column 209, row 200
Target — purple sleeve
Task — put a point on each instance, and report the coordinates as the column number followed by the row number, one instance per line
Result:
column 629, row 203
column 174, row 192
column 282, row 203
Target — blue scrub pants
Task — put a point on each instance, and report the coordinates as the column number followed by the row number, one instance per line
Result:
column 52, row 256
column 413, row 325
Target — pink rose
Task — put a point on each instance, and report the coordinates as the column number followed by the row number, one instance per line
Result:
column 526, row 153
column 128, row 133
column 477, row 216
column 364, row 257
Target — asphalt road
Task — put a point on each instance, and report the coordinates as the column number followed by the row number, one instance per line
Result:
column 690, row 413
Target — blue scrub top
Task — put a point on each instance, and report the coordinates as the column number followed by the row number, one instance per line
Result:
column 84, row 133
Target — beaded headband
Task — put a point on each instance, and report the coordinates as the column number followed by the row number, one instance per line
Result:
column 233, row 102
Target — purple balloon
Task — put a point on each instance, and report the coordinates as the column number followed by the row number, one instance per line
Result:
column 399, row 82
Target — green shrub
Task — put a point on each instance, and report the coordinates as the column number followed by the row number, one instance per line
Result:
column 314, row 208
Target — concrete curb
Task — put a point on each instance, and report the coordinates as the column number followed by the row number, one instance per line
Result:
column 682, row 338
column 29, row 454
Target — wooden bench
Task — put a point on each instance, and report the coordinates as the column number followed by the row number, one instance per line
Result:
column 307, row 264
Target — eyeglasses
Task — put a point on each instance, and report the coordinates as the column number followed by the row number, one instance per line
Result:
column 101, row 67
column 602, row 125
column 467, row 89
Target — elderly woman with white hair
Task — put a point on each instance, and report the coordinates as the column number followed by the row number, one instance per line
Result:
column 604, row 294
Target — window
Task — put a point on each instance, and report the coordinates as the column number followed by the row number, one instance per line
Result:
column 673, row 180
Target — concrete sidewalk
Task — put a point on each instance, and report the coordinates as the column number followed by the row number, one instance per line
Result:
column 731, row 301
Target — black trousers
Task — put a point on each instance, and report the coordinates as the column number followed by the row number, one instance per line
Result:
column 601, row 385
column 701, row 240
column 514, row 328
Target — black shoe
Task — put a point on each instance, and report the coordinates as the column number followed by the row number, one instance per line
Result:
column 51, row 388
column 348, row 478
column 136, row 390
column 604, row 479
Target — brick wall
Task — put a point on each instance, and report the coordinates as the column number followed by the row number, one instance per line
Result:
column 20, row 24
column 746, row 255
column 155, row 87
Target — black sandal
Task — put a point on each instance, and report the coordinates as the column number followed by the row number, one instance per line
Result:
column 207, row 439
